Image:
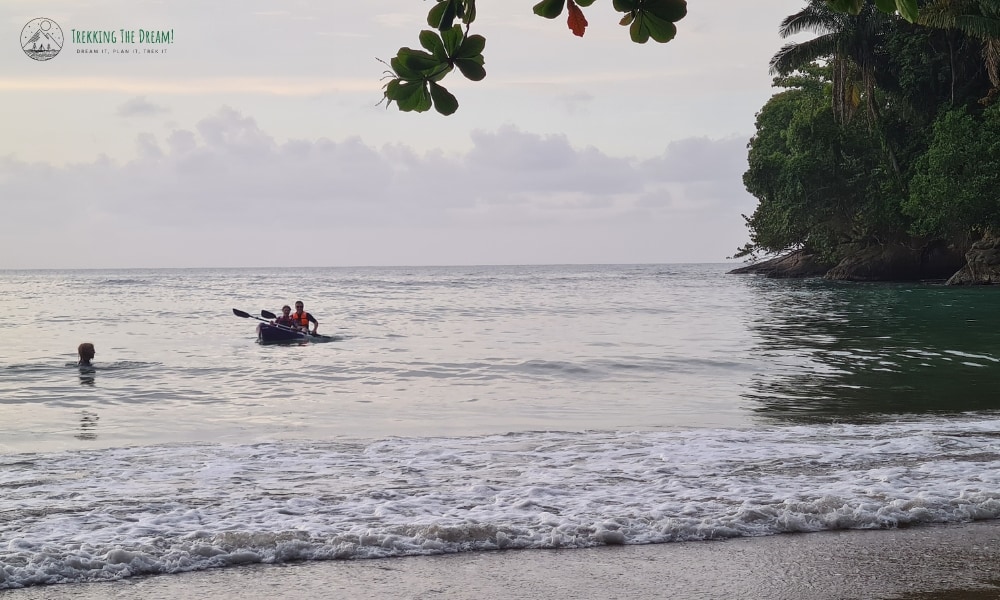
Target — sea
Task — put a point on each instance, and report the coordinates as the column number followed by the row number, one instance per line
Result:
column 476, row 408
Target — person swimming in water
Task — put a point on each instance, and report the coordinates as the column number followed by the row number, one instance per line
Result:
column 86, row 352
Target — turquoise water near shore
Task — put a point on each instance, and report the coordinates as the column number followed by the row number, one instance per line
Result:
column 479, row 408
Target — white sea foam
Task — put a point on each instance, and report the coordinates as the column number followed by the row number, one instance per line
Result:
column 119, row 512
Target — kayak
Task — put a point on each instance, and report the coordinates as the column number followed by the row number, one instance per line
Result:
column 273, row 334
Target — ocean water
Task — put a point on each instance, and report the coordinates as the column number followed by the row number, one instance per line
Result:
column 478, row 408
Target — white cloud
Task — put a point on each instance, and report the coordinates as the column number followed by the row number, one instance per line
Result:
column 226, row 182
column 140, row 107
column 571, row 150
column 700, row 159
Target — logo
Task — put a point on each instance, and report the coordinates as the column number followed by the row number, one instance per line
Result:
column 41, row 39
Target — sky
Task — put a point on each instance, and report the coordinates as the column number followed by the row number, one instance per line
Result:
column 251, row 134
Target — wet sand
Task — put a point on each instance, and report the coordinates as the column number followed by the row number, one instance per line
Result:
column 955, row 562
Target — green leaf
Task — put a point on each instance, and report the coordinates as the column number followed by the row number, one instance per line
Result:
column 436, row 13
column 431, row 42
column 626, row 5
column 439, row 73
column 584, row 2
column 638, row 33
column 471, row 47
column 908, row 9
column 648, row 26
column 472, row 68
column 418, row 60
column 470, row 12
column 408, row 95
column 550, row 9
column 886, row 6
column 444, row 101
column 401, row 69
column 453, row 39
column 442, row 16
column 669, row 10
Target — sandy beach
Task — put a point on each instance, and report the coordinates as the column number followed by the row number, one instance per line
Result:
column 956, row 562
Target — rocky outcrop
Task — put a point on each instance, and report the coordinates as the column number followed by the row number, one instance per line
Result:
column 796, row 264
column 875, row 262
column 982, row 264
column 897, row 262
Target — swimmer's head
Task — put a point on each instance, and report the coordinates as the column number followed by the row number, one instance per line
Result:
column 86, row 351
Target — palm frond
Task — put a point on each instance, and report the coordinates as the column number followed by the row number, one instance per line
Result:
column 940, row 14
column 978, row 26
column 793, row 56
column 807, row 19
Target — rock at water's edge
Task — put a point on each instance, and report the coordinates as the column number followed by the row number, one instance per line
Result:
column 796, row 264
column 982, row 264
column 884, row 262
column 897, row 262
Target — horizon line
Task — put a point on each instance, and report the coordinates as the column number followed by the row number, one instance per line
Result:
column 377, row 266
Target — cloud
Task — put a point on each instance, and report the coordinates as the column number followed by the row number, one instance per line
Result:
column 140, row 107
column 700, row 159
column 225, row 193
column 511, row 161
column 576, row 103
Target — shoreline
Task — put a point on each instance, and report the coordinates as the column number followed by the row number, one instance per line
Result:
column 944, row 562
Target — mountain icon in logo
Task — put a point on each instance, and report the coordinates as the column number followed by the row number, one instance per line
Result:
column 41, row 39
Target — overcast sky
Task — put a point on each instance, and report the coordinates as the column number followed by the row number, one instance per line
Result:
column 255, row 138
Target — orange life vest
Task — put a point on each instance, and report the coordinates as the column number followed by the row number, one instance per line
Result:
column 301, row 318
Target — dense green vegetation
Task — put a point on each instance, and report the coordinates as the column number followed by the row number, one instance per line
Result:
column 885, row 132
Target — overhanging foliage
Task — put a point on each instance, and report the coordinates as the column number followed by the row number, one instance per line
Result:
column 413, row 83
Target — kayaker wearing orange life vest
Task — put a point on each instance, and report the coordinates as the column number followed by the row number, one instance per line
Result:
column 302, row 319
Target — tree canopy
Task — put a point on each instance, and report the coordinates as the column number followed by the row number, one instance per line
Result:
column 413, row 81
column 923, row 165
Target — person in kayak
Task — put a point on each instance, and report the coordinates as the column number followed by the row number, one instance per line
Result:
column 286, row 317
column 302, row 319
column 86, row 352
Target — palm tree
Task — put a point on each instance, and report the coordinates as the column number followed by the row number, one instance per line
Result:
column 976, row 18
column 851, row 45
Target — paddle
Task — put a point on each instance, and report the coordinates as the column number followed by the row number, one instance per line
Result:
column 270, row 315
column 246, row 315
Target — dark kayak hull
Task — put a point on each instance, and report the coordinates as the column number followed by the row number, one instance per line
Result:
column 270, row 334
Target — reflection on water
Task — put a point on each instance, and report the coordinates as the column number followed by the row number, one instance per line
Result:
column 88, row 425
column 860, row 352
column 87, row 373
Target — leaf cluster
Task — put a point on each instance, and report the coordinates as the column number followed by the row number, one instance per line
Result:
column 646, row 19
column 415, row 87
column 413, row 81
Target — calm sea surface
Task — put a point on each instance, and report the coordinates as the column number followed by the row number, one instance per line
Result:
column 467, row 408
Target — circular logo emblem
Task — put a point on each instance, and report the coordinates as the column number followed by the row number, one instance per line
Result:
column 41, row 39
